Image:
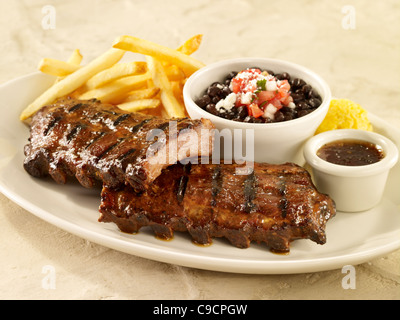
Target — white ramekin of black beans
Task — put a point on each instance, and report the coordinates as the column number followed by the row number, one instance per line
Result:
column 281, row 102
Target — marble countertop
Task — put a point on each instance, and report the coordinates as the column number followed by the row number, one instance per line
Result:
column 354, row 47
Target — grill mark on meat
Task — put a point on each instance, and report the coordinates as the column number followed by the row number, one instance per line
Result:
column 100, row 142
column 127, row 154
column 165, row 212
column 184, row 125
column 216, row 184
column 111, row 112
column 137, row 127
column 75, row 107
column 283, row 203
column 75, row 130
column 154, row 132
column 110, row 148
column 51, row 125
column 96, row 117
column 249, row 190
column 121, row 119
column 182, row 184
column 101, row 134
column 187, row 168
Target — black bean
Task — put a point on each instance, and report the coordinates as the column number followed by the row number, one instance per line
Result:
column 215, row 99
column 283, row 76
column 231, row 75
column 302, row 105
column 297, row 83
column 302, row 113
column 315, row 94
column 212, row 109
column 203, row 101
column 225, row 91
column 289, row 116
column 306, row 89
column 314, row 102
column 279, row 116
column 231, row 114
column 213, row 91
column 242, row 112
column 286, row 110
column 297, row 96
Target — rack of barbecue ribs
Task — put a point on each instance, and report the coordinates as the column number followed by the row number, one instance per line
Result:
column 100, row 144
column 275, row 204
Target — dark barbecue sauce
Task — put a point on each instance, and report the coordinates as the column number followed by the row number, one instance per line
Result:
column 351, row 152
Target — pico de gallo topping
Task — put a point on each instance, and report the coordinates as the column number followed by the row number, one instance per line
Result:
column 261, row 93
column 260, row 96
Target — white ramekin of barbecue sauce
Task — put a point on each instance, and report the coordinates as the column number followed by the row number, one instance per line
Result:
column 351, row 166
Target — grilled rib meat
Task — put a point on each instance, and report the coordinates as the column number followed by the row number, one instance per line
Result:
column 275, row 204
column 100, row 142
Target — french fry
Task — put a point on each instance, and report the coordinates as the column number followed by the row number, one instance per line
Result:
column 174, row 73
column 177, row 88
column 74, row 59
column 172, row 106
column 57, row 67
column 73, row 81
column 191, row 45
column 188, row 64
column 147, row 93
column 139, row 105
column 117, row 71
column 155, row 85
column 117, row 90
column 60, row 68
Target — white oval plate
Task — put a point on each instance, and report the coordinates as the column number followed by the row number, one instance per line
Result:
column 352, row 238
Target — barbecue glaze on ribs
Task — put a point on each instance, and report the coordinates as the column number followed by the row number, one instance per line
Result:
column 101, row 144
column 275, row 204
column 98, row 142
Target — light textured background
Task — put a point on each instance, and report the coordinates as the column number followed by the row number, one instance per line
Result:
column 361, row 64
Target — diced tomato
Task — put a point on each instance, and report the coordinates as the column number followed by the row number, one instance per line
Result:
column 255, row 111
column 288, row 100
column 283, row 95
column 265, row 96
column 236, row 84
column 284, row 85
column 243, row 83
column 276, row 103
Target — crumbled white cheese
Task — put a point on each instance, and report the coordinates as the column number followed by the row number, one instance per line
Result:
column 291, row 105
column 271, row 108
column 226, row 104
column 246, row 98
column 270, row 111
column 271, row 85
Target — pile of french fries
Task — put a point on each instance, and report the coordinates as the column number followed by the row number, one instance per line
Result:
column 152, row 86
